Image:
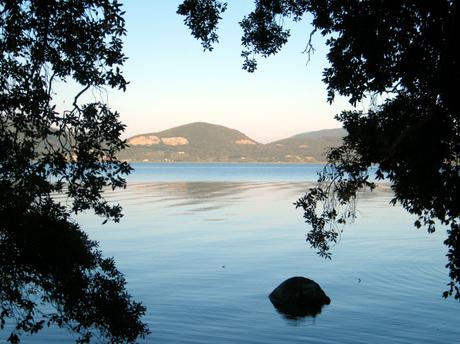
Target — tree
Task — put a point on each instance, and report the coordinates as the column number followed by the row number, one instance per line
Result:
column 408, row 53
column 50, row 272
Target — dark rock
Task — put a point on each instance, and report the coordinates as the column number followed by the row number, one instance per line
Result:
column 299, row 297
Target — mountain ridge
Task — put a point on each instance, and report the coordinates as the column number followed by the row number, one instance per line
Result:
column 206, row 142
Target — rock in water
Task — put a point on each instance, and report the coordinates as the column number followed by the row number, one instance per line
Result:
column 299, row 296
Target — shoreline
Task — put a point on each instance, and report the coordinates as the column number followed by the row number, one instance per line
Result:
column 227, row 162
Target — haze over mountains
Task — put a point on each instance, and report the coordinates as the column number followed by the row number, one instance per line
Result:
column 204, row 142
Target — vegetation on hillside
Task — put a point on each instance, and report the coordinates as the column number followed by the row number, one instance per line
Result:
column 214, row 143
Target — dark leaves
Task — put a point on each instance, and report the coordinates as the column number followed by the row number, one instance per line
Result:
column 46, row 261
column 202, row 17
column 263, row 32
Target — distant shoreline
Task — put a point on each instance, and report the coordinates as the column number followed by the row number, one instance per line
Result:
column 209, row 143
column 228, row 162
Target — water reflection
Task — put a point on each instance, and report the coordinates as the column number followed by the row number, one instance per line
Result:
column 299, row 313
column 200, row 196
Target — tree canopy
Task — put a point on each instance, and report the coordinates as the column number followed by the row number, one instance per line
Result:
column 408, row 53
column 50, row 272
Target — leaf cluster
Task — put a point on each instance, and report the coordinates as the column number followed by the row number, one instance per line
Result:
column 202, row 17
column 50, row 272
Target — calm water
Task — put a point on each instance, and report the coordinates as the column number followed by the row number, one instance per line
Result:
column 203, row 245
column 180, row 172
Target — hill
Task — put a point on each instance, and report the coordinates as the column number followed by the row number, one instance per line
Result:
column 197, row 134
column 312, row 144
column 324, row 134
column 204, row 142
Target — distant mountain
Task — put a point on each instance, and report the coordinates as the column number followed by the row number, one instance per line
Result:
column 198, row 134
column 204, row 142
column 311, row 145
column 322, row 134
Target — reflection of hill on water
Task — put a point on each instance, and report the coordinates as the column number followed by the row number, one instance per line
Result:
column 211, row 195
column 201, row 196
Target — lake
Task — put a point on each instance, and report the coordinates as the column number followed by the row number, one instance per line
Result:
column 202, row 245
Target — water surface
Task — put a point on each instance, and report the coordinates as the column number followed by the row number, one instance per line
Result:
column 203, row 246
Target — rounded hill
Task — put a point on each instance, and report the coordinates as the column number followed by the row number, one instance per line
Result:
column 205, row 142
column 197, row 141
column 200, row 133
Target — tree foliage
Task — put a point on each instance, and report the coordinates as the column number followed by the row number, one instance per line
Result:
column 50, row 272
column 202, row 17
column 408, row 53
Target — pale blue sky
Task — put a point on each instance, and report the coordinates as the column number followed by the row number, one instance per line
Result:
column 173, row 82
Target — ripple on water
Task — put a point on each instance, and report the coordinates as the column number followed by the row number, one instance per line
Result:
column 203, row 257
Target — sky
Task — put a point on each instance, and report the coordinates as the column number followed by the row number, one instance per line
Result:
column 174, row 82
